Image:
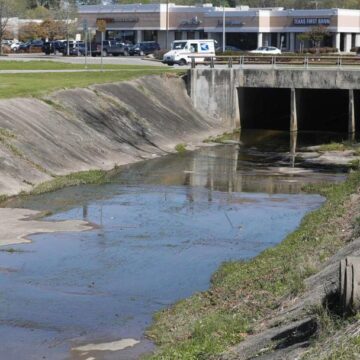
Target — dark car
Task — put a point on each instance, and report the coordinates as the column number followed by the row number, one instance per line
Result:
column 33, row 44
column 52, row 47
column 110, row 47
column 76, row 48
column 144, row 48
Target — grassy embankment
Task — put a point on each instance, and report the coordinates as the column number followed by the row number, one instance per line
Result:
column 59, row 65
column 245, row 291
column 37, row 84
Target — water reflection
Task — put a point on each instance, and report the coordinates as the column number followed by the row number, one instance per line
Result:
column 265, row 162
column 163, row 227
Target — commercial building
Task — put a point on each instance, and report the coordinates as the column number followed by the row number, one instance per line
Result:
column 246, row 28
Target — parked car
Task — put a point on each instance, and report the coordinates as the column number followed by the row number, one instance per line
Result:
column 144, row 48
column 110, row 47
column 33, row 44
column 271, row 50
column 15, row 45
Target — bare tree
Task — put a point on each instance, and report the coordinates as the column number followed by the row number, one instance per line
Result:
column 6, row 10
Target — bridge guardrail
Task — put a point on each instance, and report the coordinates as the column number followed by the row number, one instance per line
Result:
column 278, row 61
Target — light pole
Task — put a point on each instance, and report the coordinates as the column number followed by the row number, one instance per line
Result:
column 66, row 5
column 223, row 29
column 167, row 24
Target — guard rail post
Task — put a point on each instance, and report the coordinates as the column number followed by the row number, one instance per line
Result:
column 193, row 63
column 230, row 62
column 212, row 62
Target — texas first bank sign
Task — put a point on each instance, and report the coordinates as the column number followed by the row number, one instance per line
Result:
column 311, row 21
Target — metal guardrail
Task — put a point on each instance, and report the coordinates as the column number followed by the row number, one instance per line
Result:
column 305, row 62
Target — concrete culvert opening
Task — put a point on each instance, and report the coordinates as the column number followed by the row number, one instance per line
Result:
column 264, row 108
column 357, row 109
column 321, row 110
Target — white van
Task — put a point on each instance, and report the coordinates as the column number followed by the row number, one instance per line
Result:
column 181, row 50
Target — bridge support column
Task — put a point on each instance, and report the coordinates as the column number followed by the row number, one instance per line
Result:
column 351, row 125
column 294, row 112
column 292, row 42
column 337, row 41
column 357, row 40
column 347, row 42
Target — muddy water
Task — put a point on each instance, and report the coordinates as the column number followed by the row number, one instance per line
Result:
column 162, row 228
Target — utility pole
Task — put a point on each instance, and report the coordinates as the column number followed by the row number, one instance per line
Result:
column 167, row 24
column 223, row 29
column 66, row 5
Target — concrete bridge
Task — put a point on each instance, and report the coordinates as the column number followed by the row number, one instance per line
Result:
column 286, row 99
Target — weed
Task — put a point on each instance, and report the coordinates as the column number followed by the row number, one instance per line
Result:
column 180, row 148
column 220, row 139
column 6, row 134
column 74, row 179
column 11, row 250
column 3, row 198
column 333, row 146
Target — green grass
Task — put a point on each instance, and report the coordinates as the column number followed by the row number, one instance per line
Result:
column 25, row 85
column 348, row 350
column 74, row 179
column 343, row 146
column 3, row 198
column 245, row 291
column 180, row 148
column 332, row 342
column 220, row 139
column 58, row 65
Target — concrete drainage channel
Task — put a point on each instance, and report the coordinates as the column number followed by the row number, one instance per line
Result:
column 350, row 284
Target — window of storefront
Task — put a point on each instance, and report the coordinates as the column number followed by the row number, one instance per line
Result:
column 126, row 36
column 178, row 35
column 190, row 35
column 203, row 35
column 150, row 35
column 243, row 41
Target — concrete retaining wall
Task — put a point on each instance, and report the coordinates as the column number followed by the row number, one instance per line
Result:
column 214, row 91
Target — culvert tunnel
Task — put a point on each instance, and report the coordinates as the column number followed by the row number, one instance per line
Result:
column 316, row 109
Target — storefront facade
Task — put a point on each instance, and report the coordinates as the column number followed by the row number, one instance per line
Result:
column 245, row 28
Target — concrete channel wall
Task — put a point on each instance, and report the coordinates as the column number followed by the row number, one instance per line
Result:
column 302, row 97
column 96, row 128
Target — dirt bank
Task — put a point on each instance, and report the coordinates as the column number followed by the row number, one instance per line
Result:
column 95, row 128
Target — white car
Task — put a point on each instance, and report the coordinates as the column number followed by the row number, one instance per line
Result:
column 15, row 45
column 271, row 50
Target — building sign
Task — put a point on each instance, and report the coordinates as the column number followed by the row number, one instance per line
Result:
column 236, row 23
column 312, row 21
column 191, row 22
column 101, row 25
column 128, row 19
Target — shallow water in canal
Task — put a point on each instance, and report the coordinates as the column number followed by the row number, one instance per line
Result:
column 162, row 228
